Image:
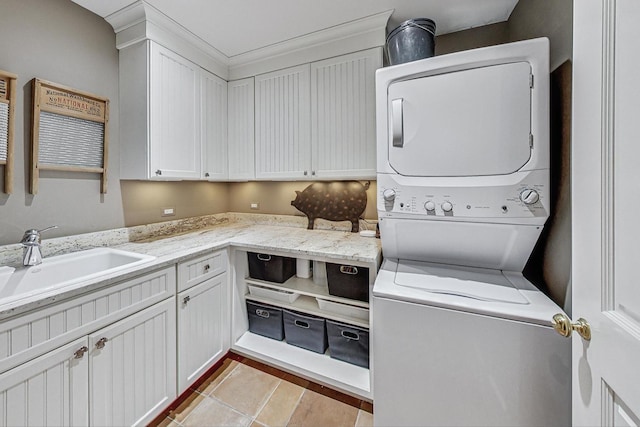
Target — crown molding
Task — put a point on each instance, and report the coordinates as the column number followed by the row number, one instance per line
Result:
column 341, row 39
column 141, row 21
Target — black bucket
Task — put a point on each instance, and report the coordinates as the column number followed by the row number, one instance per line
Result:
column 412, row 40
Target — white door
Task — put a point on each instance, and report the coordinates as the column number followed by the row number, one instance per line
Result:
column 241, row 134
column 50, row 390
column 132, row 367
column 282, row 129
column 343, row 129
column 213, row 91
column 203, row 329
column 606, row 203
column 175, row 116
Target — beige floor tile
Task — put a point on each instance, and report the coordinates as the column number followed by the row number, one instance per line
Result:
column 186, row 407
column 214, row 380
column 365, row 419
column 246, row 389
column 278, row 409
column 211, row 412
column 317, row 410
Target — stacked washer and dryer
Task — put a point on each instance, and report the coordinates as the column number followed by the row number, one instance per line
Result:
column 459, row 336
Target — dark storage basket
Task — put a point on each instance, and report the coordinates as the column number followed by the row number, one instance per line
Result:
column 412, row 40
column 348, row 281
column 271, row 268
column 348, row 343
column 306, row 331
column 265, row 320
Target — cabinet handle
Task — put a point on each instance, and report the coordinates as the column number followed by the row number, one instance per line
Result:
column 305, row 173
column 101, row 343
column 79, row 353
column 313, row 173
column 186, row 300
column 206, row 268
column 158, row 172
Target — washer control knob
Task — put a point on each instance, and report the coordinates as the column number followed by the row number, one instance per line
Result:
column 430, row 206
column 389, row 194
column 447, row 206
column 529, row 196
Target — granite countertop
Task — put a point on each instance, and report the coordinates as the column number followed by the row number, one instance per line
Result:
column 175, row 241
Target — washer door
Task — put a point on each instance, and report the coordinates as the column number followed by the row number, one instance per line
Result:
column 466, row 123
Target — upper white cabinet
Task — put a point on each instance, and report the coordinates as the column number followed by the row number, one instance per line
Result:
column 317, row 121
column 283, row 139
column 343, row 141
column 213, row 103
column 159, row 114
column 173, row 120
column 241, row 129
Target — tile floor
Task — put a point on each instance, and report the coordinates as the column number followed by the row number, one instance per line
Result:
column 243, row 392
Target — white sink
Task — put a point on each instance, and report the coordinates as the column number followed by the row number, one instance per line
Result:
column 64, row 270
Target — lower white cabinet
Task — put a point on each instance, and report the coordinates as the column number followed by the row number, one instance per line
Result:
column 51, row 390
column 131, row 364
column 203, row 329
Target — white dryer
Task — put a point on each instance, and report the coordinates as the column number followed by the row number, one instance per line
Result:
column 459, row 336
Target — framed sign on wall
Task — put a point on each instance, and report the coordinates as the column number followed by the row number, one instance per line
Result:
column 7, row 113
column 69, row 132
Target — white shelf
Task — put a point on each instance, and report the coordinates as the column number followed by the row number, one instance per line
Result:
column 308, row 304
column 307, row 287
column 320, row 368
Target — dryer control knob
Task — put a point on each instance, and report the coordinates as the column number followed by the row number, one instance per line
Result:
column 529, row 196
column 389, row 194
column 447, row 206
column 430, row 206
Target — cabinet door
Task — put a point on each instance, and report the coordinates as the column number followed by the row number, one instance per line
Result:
column 343, row 136
column 50, row 390
column 131, row 367
column 241, row 129
column 203, row 329
column 214, row 126
column 175, row 116
column 282, row 124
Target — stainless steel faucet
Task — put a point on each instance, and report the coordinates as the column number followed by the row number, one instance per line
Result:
column 31, row 242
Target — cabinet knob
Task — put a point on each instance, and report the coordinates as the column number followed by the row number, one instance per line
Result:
column 206, row 268
column 313, row 173
column 158, row 172
column 79, row 353
column 101, row 343
column 206, row 174
column 186, row 300
column 305, row 173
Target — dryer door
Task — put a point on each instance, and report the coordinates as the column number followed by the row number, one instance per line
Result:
column 464, row 123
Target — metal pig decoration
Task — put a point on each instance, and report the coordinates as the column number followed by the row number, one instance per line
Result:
column 334, row 201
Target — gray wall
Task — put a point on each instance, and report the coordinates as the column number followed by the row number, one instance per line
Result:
column 58, row 41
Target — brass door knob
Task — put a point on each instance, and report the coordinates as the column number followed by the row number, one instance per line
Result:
column 562, row 324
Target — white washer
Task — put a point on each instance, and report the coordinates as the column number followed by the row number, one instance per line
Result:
column 462, row 346
column 458, row 336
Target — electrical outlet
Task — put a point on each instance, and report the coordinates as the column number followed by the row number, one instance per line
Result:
column 168, row 211
column 255, row 206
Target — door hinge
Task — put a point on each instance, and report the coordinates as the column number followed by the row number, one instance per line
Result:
column 531, row 141
column 531, row 81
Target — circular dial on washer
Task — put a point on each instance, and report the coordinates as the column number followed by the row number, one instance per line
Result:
column 529, row 196
column 430, row 206
column 389, row 194
column 446, row 206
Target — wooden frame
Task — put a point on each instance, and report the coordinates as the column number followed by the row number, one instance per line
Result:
column 65, row 102
column 8, row 96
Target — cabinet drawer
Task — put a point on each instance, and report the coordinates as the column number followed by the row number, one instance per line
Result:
column 25, row 337
column 196, row 270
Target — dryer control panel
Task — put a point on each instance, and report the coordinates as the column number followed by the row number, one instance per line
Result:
column 525, row 196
